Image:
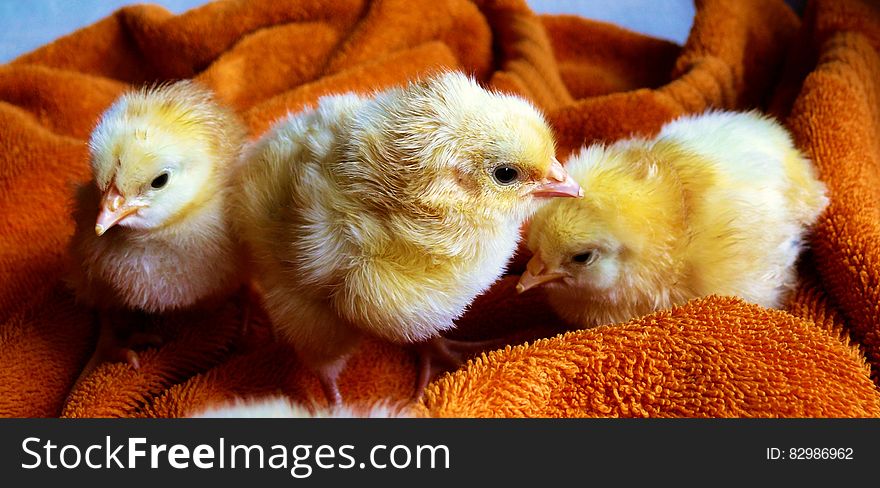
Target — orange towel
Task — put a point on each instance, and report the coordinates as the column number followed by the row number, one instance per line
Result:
column 716, row 356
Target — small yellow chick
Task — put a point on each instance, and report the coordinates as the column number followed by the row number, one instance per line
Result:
column 152, row 232
column 716, row 204
column 388, row 214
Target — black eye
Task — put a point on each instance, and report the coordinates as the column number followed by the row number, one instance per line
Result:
column 505, row 175
column 584, row 257
column 159, row 181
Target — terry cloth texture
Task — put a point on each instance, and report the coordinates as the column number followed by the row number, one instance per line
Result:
column 715, row 356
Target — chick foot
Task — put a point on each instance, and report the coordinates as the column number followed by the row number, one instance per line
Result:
column 328, row 376
column 111, row 347
column 331, row 389
column 127, row 351
column 440, row 354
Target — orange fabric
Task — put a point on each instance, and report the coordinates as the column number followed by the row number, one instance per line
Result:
column 715, row 356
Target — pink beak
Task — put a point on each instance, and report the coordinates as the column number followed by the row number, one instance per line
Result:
column 536, row 274
column 113, row 210
column 558, row 183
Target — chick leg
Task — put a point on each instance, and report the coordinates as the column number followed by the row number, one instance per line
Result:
column 114, row 347
column 322, row 341
column 250, row 299
column 440, row 354
column 246, row 296
column 328, row 376
column 327, row 368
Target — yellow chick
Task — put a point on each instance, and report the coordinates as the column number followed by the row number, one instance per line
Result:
column 152, row 232
column 388, row 214
column 716, row 204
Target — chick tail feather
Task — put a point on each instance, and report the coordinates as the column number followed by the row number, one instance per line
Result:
column 806, row 194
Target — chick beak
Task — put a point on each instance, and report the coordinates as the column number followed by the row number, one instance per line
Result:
column 114, row 208
column 558, row 183
column 536, row 274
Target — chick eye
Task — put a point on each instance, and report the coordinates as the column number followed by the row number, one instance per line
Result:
column 584, row 257
column 159, row 181
column 505, row 175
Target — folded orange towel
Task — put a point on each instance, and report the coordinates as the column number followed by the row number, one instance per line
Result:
column 715, row 356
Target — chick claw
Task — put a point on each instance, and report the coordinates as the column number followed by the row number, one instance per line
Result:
column 111, row 348
column 127, row 351
column 449, row 352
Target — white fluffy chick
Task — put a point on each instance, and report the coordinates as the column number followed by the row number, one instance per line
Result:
column 717, row 203
column 152, row 231
column 283, row 408
column 388, row 214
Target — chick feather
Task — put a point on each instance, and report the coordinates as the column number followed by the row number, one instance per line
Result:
column 717, row 203
column 387, row 214
column 152, row 231
column 283, row 407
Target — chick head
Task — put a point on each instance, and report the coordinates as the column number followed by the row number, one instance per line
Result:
column 158, row 153
column 449, row 145
column 617, row 242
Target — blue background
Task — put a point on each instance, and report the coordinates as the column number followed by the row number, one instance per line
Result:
column 28, row 24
